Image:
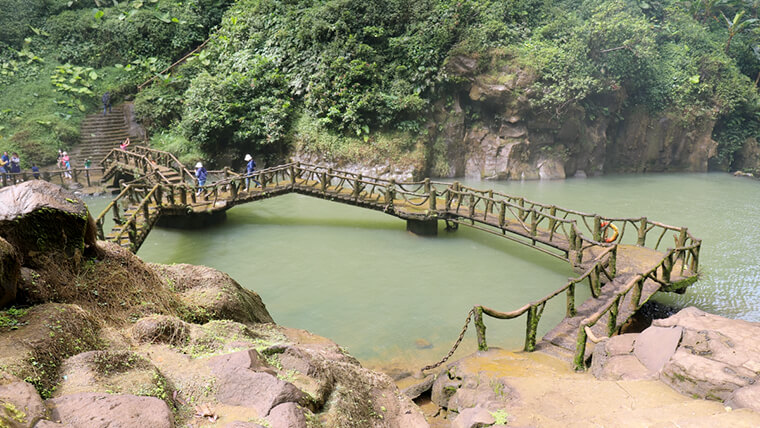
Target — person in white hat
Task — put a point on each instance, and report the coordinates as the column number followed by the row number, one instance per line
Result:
column 200, row 174
column 249, row 169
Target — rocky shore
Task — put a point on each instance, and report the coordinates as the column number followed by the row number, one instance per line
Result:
column 92, row 336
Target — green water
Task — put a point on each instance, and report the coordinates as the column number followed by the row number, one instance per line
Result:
column 357, row 277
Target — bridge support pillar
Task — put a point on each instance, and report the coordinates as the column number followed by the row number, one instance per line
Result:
column 423, row 227
column 192, row 221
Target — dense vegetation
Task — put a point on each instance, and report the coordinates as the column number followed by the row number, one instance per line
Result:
column 364, row 77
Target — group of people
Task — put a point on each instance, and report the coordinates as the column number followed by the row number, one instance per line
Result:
column 201, row 174
column 12, row 165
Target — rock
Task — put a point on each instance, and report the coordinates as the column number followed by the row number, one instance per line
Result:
column 49, row 424
column 655, row 345
column 621, row 367
column 93, row 410
column 10, row 268
column 37, row 217
column 551, row 169
column 702, row 377
column 240, row 424
column 20, row 404
column 748, row 396
column 249, row 360
column 212, row 294
column 444, row 388
column 473, row 417
column 52, row 333
column 160, row 329
column 287, row 415
column 111, row 371
column 422, row 344
column 261, row 391
column 419, row 388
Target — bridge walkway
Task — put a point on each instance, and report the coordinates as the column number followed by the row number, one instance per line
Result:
column 622, row 271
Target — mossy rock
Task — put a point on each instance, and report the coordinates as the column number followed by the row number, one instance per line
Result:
column 47, row 335
column 40, row 218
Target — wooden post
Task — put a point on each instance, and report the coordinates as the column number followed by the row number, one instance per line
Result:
column 612, row 261
column 695, row 258
column 433, row 197
column 183, row 194
column 533, row 222
column 146, row 212
column 390, row 193
column 636, row 298
column 292, row 176
column 75, row 174
column 667, row 266
column 226, row 172
column 596, row 288
column 472, row 206
column 642, row 232
column 570, row 307
column 552, row 221
column 580, row 349
column 597, row 228
column 521, row 211
column 682, row 237
column 357, row 187
column 116, row 217
column 578, row 250
column 572, row 238
column 23, row 176
column 480, row 329
column 530, row 329
column 324, row 182
column 234, row 189
column 612, row 321
column 87, row 176
column 426, row 185
column 489, row 205
column 502, row 213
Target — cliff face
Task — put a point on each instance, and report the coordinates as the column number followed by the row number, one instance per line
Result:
column 490, row 130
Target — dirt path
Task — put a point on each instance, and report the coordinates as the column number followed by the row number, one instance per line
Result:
column 550, row 394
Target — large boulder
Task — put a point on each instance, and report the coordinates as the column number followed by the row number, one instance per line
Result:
column 94, row 410
column 463, row 385
column 20, row 404
column 696, row 353
column 39, row 218
column 211, row 294
column 46, row 335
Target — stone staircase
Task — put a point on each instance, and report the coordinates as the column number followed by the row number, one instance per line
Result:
column 99, row 134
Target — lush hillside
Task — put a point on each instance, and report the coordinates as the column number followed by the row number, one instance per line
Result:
column 381, row 79
column 58, row 56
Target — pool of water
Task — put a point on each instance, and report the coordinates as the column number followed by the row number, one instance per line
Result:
column 357, row 277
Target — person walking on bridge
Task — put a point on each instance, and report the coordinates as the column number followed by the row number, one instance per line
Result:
column 200, row 174
column 249, row 170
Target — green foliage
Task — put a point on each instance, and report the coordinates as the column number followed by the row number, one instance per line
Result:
column 11, row 318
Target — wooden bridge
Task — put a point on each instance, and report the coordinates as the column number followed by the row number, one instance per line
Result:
column 621, row 274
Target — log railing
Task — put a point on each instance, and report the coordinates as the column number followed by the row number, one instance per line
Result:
column 572, row 233
column 604, row 264
column 83, row 176
column 660, row 273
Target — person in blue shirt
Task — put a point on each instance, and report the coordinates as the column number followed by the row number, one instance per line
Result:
column 200, row 174
column 35, row 171
column 249, row 169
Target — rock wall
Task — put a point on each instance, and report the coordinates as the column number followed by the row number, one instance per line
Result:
column 486, row 128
